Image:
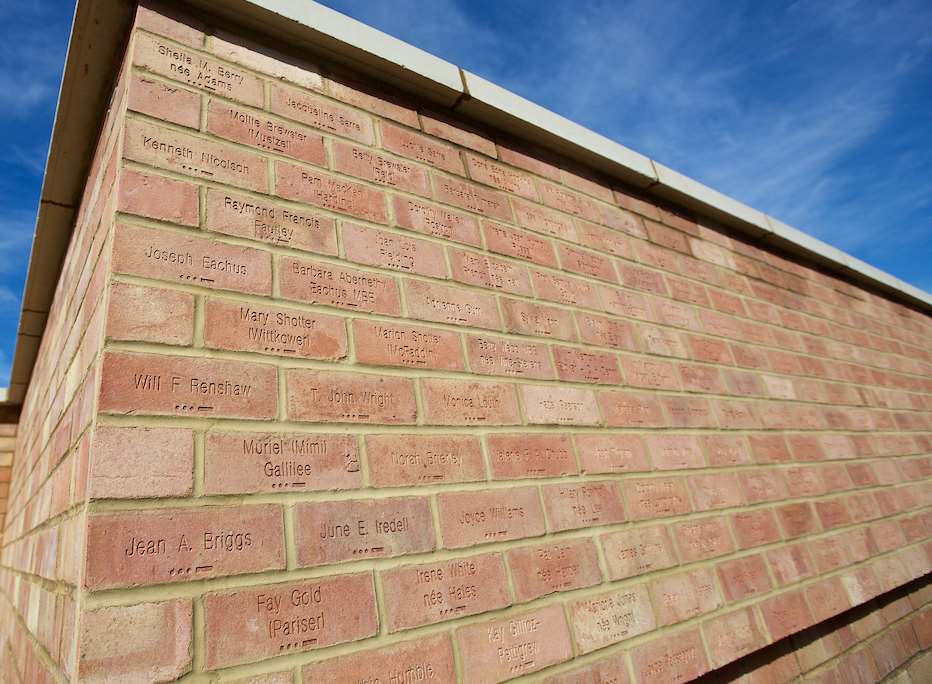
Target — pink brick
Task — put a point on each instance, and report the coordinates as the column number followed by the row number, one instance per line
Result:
column 633, row 552
column 456, row 132
column 389, row 250
column 578, row 365
column 744, row 577
column 827, row 598
column 255, row 129
column 701, row 539
column 630, row 409
column 608, row 453
column 715, row 490
column 549, row 405
column 321, row 113
column 498, row 176
column 762, row 485
column 488, row 272
column 520, row 456
column 607, row 332
column 323, row 396
column 373, row 99
column 502, row 239
column 430, row 658
column 329, row 192
column 401, row 460
column 609, row 618
column 362, row 162
column 537, row 320
column 459, row 402
column 178, row 27
column 670, row 659
column 434, row 592
column 150, row 314
column 685, row 595
column 431, row 219
column 642, row 279
column 568, row 201
column 133, row 463
column 582, row 505
column 248, row 462
column 266, row 60
column 541, row 570
column 640, row 372
column 609, row 670
column 586, row 263
column 317, row 282
column 454, row 305
column 656, row 497
column 701, row 378
column 832, row 513
column 790, row 563
column 674, row 452
column 157, row 197
column 471, row 197
column 421, row 148
column 797, row 520
column 732, row 636
column 803, row 481
column 529, row 158
column 786, row 614
column 411, row 346
column 755, row 527
column 503, row 356
column 478, row 517
column 563, row 290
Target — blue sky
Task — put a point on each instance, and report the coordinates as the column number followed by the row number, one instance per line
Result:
column 815, row 112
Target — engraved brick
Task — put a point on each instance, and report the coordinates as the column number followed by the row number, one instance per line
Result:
column 609, row 618
column 651, row 374
column 537, row 320
column 663, row 341
column 674, row 452
column 744, row 577
column 434, row 592
column 330, row 192
column 273, row 330
column 487, row 172
column 260, row 622
column 478, row 517
column 150, row 314
column 429, row 658
column 568, row 201
column 578, row 365
column 457, row 132
column 633, row 552
column 432, row 302
column 549, row 405
column 390, row 250
column 541, row 220
column 317, row 282
column 190, row 260
column 412, row 346
column 609, row 670
column 582, row 505
column 184, row 386
column 762, row 485
column 605, row 239
column 785, row 614
column 157, row 197
column 431, row 219
column 548, row 568
column 646, row 280
column 261, row 58
column 255, row 129
column 471, row 197
column 159, row 650
column 685, row 595
column 321, row 113
column 715, row 490
column 630, row 409
column 155, row 547
column 732, row 636
column 670, row 659
column 502, row 356
column 248, row 462
column 607, row 332
column 755, row 527
column 322, row 396
column 519, row 456
column 803, row 481
column 657, row 497
column 130, row 463
column 701, row 378
column 790, row 563
column 725, row 450
column 336, row 531
column 488, row 272
column 735, row 415
column 606, row 453
column 384, row 170
column 514, row 646
column 178, row 27
column 401, row 460
column 192, row 156
column 701, row 539
column 832, row 513
column 373, row 99
column 625, row 303
column 421, row 148
column 502, row 239
column 529, row 158
column 587, row 263
column 206, row 73
column 265, row 221
column 459, row 402
column 563, row 290
column 797, row 519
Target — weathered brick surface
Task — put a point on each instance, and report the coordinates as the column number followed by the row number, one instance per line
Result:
column 326, row 365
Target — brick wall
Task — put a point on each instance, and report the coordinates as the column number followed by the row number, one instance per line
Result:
column 7, row 446
column 379, row 392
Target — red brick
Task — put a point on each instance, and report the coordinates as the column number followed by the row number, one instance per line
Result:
column 755, row 527
column 478, row 517
column 582, row 505
column 609, row 618
column 160, row 649
column 481, row 270
column 385, row 344
column 804, row 481
column 184, row 386
column 336, row 531
column 502, row 356
column 836, row 478
column 735, row 415
column 537, row 320
column 640, row 372
column 607, row 332
column 887, row 535
column 550, row 405
column 260, row 622
column 832, row 513
column 858, row 543
column 456, row 132
column 674, row 452
column 181, row 29
column 587, row 263
column 558, row 197
column 541, row 220
column 762, row 485
column 323, row 396
column 657, row 497
column 471, row 197
column 131, row 463
column 269, row 61
column 744, row 577
column 514, row 646
column 541, row 570
column 797, row 520
column 487, row 172
column 685, row 595
column 520, row 244
column 362, row 162
column 607, row 453
column 630, row 409
column 248, row 462
column 562, row 290
column 827, row 598
column 432, row 302
column 670, row 659
column 244, row 326
column 192, row 156
column 701, row 539
column 317, row 282
column 785, row 614
column 181, row 258
column 321, row 113
column 154, row 547
column 806, row 448
column 461, row 402
column 329, row 192
column 701, row 379
column 609, row 670
column 529, row 158
column 276, row 224
column 862, row 507
column 662, row 341
column 520, row 456
column 157, row 197
column 389, row 250
column 401, row 460
column 373, row 99
column 255, row 129
column 715, row 490
column 861, row 585
column 431, row 219
column 428, row 658
column 642, row 279
column 578, row 365
column 421, row 148
column 633, row 552
column 583, row 180
column 732, row 636
column 790, row 563
column 218, row 78
column 434, row 592
column 149, row 314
